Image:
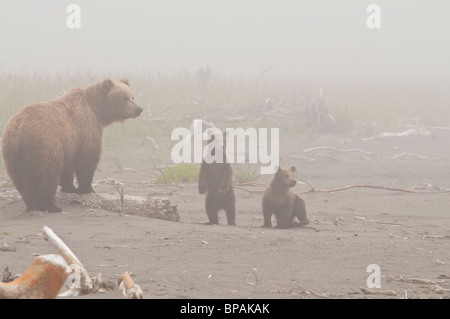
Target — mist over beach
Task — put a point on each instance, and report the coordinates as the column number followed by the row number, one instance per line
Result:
column 300, row 38
column 355, row 95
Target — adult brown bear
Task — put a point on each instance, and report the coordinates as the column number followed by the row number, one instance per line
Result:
column 46, row 143
column 279, row 200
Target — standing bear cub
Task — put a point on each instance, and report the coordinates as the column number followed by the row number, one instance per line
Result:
column 279, row 200
column 216, row 180
column 47, row 143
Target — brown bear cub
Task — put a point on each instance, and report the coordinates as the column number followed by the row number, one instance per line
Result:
column 215, row 179
column 279, row 200
column 47, row 143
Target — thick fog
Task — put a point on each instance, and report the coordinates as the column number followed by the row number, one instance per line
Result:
column 325, row 38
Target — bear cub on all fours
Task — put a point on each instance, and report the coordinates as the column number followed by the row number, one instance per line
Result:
column 48, row 143
column 216, row 180
column 279, row 200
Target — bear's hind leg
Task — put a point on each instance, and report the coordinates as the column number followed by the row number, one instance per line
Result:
column 212, row 209
column 230, row 210
column 46, row 200
column 28, row 196
column 300, row 211
column 66, row 182
column 48, row 206
column 38, row 198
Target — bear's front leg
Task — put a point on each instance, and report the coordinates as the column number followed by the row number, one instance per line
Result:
column 84, row 169
column 282, row 221
column 202, row 186
column 226, row 185
column 224, row 188
column 267, row 217
column 284, row 215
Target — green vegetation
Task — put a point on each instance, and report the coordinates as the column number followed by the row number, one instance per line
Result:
column 6, row 184
column 183, row 173
column 5, row 233
column 118, row 164
column 244, row 174
column 121, row 194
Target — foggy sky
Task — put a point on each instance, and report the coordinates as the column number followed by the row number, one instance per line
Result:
column 324, row 37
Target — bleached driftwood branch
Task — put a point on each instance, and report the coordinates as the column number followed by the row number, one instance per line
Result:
column 378, row 292
column 327, row 148
column 154, row 207
column 86, row 285
column 312, row 189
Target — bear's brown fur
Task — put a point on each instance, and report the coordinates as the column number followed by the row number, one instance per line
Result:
column 46, row 143
column 279, row 200
column 216, row 180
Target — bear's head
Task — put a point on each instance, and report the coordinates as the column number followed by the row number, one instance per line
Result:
column 116, row 101
column 211, row 133
column 286, row 176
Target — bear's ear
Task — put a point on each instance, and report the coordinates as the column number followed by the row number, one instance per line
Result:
column 107, row 85
column 293, row 169
column 125, row 81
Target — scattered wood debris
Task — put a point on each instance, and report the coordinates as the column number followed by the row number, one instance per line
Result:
column 378, row 292
column 409, row 154
column 128, row 288
column 317, row 294
column 48, row 273
column 433, row 286
column 420, row 281
column 8, row 276
column 6, row 247
column 102, row 286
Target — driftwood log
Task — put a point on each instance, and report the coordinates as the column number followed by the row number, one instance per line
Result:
column 42, row 280
column 153, row 207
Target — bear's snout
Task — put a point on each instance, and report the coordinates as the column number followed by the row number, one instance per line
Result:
column 137, row 111
column 292, row 184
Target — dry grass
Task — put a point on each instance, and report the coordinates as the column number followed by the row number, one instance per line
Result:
column 174, row 100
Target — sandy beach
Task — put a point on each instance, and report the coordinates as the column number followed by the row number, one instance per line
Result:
column 406, row 234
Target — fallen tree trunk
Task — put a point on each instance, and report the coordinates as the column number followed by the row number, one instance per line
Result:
column 153, row 207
